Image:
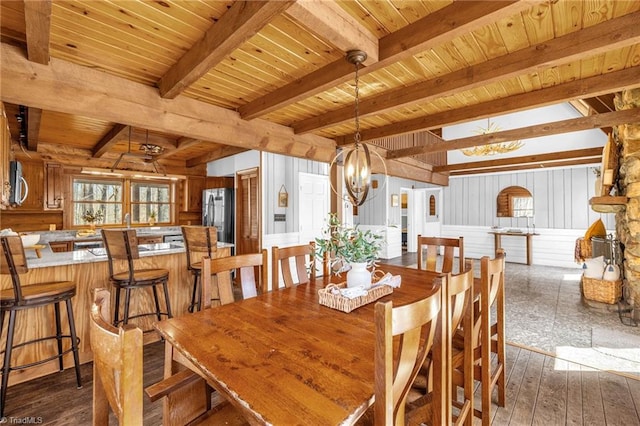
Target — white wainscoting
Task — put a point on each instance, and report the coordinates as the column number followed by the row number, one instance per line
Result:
column 392, row 236
column 553, row 247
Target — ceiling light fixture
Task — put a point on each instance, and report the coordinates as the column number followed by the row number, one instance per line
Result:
column 357, row 161
column 150, row 150
column 494, row 148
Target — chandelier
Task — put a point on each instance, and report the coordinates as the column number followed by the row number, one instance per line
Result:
column 357, row 161
column 494, row 148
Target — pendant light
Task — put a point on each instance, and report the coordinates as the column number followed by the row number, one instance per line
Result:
column 357, row 162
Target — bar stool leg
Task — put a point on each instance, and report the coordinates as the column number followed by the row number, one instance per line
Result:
column 193, row 294
column 127, row 299
column 157, row 302
column 6, row 367
column 56, row 308
column 74, row 342
column 116, row 311
column 166, row 298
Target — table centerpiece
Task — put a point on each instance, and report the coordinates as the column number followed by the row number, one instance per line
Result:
column 349, row 249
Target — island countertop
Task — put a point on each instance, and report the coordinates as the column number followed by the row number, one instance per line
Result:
column 50, row 258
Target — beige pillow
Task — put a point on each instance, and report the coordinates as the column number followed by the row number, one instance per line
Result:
column 594, row 267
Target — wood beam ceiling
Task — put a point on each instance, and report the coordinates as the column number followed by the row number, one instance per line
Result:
column 531, row 166
column 426, row 33
column 554, row 128
column 74, row 89
column 241, row 22
column 591, row 41
column 181, row 144
column 332, row 23
column 590, row 155
column 116, row 133
column 37, row 19
column 593, row 86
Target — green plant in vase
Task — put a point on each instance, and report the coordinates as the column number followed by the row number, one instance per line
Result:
column 346, row 245
column 152, row 218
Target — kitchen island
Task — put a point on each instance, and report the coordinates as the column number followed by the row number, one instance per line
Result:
column 90, row 270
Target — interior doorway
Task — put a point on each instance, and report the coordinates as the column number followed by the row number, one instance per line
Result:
column 248, row 211
column 313, row 196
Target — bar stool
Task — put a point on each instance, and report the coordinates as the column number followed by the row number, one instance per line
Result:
column 199, row 241
column 122, row 248
column 14, row 263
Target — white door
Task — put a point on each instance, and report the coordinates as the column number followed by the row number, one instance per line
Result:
column 313, row 194
column 432, row 225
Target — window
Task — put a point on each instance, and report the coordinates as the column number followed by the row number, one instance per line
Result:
column 150, row 200
column 112, row 198
column 94, row 195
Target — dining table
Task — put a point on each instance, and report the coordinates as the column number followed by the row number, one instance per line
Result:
column 282, row 358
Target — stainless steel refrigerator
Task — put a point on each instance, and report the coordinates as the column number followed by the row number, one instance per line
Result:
column 218, row 210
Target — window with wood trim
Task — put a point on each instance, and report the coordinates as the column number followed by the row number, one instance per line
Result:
column 93, row 195
column 150, row 202
column 432, row 205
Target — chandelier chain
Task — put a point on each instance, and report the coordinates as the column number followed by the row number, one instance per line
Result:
column 357, row 105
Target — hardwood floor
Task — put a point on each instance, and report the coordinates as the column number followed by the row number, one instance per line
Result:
column 541, row 389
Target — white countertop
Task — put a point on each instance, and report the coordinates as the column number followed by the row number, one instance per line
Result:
column 50, row 258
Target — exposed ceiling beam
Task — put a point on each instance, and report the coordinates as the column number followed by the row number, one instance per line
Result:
column 34, row 117
column 116, row 133
column 554, row 128
column 591, row 41
column 532, row 166
column 590, row 153
column 437, row 28
column 74, row 89
column 593, row 86
column 37, row 19
column 242, row 21
column 220, row 151
column 181, row 144
column 332, row 23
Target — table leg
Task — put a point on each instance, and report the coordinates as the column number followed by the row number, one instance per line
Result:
column 497, row 243
column 529, row 254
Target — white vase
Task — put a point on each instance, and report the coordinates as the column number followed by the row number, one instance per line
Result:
column 358, row 275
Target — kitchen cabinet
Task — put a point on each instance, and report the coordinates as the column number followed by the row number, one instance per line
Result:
column 193, row 187
column 61, row 246
column 53, row 186
column 149, row 239
column 33, row 173
column 5, row 149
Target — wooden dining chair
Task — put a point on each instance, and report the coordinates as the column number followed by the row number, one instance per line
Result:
column 117, row 366
column 418, row 328
column 303, row 257
column 223, row 268
column 118, row 378
column 487, row 337
column 458, row 313
column 432, row 245
column 199, row 241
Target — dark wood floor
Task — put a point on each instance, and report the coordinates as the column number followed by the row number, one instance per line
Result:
column 541, row 390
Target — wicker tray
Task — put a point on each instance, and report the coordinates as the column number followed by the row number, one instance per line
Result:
column 344, row 304
column 601, row 290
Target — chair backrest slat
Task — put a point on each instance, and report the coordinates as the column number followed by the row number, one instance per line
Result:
column 281, row 260
column 121, row 245
column 222, row 269
column 13, row 262
column 199, row 241
column 418, row 327
column 432, row 244
column 117, row 366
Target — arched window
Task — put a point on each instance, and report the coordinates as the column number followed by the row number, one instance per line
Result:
column 432, row 205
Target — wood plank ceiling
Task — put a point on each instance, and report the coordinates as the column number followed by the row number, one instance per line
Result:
column 208, row 79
